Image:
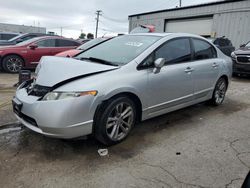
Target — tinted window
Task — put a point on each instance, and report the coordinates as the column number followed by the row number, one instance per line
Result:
column 203, row 50
column 47, row 43
column 175, row 51
column 62, row 43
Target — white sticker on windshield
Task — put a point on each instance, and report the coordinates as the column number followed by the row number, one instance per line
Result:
column 136, row 44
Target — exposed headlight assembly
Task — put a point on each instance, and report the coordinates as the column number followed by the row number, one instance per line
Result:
column 65, row 95
column 233, row 55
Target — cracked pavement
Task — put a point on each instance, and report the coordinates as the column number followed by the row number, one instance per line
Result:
column 200, row 146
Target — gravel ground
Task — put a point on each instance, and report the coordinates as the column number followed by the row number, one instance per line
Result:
column 200, row 146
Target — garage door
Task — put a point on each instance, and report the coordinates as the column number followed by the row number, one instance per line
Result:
column 199, row 26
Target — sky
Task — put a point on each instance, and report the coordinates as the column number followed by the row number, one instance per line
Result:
column 76, row 16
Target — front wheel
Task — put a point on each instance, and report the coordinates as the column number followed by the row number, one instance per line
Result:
column 115, row 120
column 12, row 63
column 219, row 92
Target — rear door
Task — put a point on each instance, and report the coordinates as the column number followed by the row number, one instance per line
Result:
column 173, row 84
column 206, row 67
column 63, row 45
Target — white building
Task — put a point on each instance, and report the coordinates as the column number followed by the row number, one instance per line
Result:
column 229, row 18
column 21, row 28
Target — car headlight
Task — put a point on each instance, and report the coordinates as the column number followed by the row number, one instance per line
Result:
column 65, row 95
column 233, row 55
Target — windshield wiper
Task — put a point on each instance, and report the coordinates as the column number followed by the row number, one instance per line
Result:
column 97, row 60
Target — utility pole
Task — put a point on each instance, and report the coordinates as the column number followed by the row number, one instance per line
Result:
column 98, row 13
column 180, row 3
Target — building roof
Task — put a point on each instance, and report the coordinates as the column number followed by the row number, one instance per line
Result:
column 187, row 7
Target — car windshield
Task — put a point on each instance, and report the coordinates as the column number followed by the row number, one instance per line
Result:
column 26, row 42
column 120, row 50
column 13, row 39
column 248, row 44
column 91, row 43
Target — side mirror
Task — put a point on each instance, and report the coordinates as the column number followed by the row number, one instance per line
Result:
column 242, row 45
column 33, row 46
column 159, row 63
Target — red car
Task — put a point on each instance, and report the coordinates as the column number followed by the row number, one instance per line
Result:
column 83, row 47
column 27, row 54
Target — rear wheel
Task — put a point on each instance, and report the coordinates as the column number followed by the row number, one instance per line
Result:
column 12, row 63
column 115, row 120
column 219, row 92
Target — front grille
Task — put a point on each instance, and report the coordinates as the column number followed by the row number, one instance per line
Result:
column 243, row 59
column 39, row 91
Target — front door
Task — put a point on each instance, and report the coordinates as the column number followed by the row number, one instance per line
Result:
column 172, row 86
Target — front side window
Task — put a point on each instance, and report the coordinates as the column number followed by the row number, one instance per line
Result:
column 203, row 50
column 120, row 50
column 46, row 43
column 175, row 51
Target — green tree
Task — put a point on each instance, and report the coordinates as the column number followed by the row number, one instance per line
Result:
column 82, row 36
column 90, row 36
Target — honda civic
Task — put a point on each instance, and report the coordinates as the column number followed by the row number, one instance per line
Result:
column 105, row 90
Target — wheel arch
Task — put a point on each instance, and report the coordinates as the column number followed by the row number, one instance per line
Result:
column 6, row 55
column 226, row 78
column 131, row 95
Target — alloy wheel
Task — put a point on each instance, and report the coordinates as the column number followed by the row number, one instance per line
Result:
column 120, row 121
column 220, row 92
column 14, row 64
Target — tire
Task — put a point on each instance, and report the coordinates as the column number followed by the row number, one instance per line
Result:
column 114, row 120
column 12, row 63
column 219, row 92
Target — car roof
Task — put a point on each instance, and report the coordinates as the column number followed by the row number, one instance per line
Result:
column 168, row 34
column 53, row 37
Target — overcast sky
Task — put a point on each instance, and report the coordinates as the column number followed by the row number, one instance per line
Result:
column 75, row 16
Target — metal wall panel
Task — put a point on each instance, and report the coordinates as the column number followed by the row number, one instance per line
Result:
column 229, row 19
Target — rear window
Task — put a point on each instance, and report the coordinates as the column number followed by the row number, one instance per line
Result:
column 203, row 50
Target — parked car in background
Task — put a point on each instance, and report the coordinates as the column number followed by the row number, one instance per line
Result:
column 144, row 29
column 241, row 60
column 83, row 47
column 7, row 35
column 224, row 44
column 105, row 90
column 21, row 38
column 27, row 54
column 83, row 40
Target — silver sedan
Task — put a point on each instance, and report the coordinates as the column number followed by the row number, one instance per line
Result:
column 105, row 90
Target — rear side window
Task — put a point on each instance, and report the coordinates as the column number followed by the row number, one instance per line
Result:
column 65, row 43
column 175, row 51
column 203, row 50
column 47, row 43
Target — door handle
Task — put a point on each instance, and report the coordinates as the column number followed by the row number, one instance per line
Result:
column 189, row 69
column 215, row 65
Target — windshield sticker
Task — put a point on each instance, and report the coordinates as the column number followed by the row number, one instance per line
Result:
column 135, row 44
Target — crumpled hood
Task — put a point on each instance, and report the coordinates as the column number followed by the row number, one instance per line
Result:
column 56, row 70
